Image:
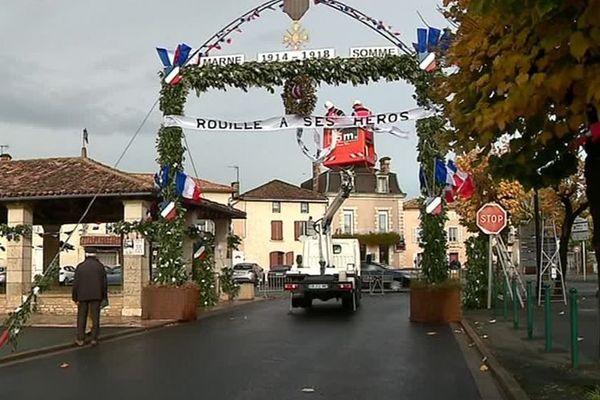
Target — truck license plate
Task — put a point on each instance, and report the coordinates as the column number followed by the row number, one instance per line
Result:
column 318, row 286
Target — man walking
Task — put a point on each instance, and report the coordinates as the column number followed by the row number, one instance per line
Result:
column 90, row 288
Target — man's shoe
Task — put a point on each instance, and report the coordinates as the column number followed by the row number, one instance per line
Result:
column 79, row 343
column 94, row 342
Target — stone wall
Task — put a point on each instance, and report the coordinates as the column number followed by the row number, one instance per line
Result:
column 61, row 304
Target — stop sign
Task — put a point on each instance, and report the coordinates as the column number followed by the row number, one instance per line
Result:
column 491, row 218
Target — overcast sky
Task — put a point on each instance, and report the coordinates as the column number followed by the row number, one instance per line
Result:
column 71, row 64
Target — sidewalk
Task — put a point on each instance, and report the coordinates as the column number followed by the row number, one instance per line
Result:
column 51, row 333
column 543, row 375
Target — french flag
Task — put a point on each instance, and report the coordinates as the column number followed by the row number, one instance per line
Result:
column 187, row 187
column 433, row 205
column 174, row 61
column 168, row 210
column 200, row 253
column 463, row 182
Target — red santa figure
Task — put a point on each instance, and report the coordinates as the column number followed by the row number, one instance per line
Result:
column 360, row 111
column 332, row 112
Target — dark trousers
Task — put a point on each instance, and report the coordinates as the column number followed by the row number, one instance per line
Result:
column 93, row 307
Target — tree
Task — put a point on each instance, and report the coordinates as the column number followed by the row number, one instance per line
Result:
column 528, row 71
column 563, row 203
column 509, row 194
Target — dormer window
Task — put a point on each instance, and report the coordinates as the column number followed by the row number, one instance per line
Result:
column 383, row 184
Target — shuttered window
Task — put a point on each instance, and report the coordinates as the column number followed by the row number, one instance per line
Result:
column 276, row 230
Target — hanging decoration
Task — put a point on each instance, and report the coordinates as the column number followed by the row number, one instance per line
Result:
column 378, row 122
column 203, row 269
column 299, row 95
column 430, row 45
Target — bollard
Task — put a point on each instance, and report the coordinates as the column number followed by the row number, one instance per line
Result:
column 573, row 310
column 505, row 300
column 515, row 303
column 530, row 310
column 496, row 302
column 547, row 320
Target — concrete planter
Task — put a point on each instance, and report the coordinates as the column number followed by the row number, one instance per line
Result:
column 166, row 302
column 430, row 304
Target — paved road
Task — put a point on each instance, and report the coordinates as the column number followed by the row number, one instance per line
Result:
column 260, row 352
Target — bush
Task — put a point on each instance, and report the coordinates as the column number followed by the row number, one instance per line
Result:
column 228, row 285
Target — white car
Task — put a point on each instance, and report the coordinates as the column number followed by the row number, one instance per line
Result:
column 66, row 275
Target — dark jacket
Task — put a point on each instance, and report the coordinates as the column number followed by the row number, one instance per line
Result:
column 90, row 281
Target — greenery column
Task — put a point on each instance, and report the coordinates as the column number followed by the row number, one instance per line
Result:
column 433, row 232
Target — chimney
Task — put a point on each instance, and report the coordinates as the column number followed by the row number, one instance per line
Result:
column 83, row 152
column 4, row 157
column 316, row 174
column 236, row 190
column 385, row 165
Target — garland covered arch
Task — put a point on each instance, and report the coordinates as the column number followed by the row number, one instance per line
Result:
column 225, row 33
column 268, row 75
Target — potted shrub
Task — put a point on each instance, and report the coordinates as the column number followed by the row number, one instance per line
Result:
column 434, row 298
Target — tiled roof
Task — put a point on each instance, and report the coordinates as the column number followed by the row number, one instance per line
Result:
column 69, row 176
column 72, row 176
column 279, row 190
column 100, row 240
column 205, row 186
column 413, row 204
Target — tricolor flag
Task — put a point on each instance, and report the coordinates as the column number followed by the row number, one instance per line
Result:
column 463, row 182
column 443, row 174
column 168, row 210
column 187, row 187
column 199, row 254
column 433, row 205
column 4, row 338
column 174, row 61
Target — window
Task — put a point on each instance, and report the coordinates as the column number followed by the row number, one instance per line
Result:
column 453, row 234
column 276, row 207
column 383, row 219
column 337, row 249
column 304, row 208
column 276, row 230
column 348, row 227
column 383, row 184
column 417, row 235
column 299, row 229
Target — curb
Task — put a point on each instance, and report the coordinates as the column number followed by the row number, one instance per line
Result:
column 30, row 354
column 507, row 382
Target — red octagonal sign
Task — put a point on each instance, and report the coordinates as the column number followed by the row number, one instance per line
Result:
column 491, row 218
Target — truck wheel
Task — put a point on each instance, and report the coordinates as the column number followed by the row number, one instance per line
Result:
column 297, row 302
column 307, row 303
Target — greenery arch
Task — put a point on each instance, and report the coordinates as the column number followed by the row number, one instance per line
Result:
column 270, row 76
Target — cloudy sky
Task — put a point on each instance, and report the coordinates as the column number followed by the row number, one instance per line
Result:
column 70, row 64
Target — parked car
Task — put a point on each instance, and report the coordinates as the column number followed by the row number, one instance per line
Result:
column 247, row 272
column 394, row 279
column 2, row 276
column 114, row 275
column 66, row 275
column 277, row 273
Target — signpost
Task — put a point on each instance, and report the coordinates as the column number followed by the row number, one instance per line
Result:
column 491, row 219
column 581, row 232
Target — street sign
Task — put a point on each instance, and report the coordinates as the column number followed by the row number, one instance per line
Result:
column 491, row 218
column 580, row 230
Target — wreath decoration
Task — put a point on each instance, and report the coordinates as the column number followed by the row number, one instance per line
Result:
column 300, row 95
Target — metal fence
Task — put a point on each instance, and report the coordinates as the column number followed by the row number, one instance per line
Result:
column 271, row 286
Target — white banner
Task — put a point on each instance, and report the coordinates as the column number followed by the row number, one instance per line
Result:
column 376, row 122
